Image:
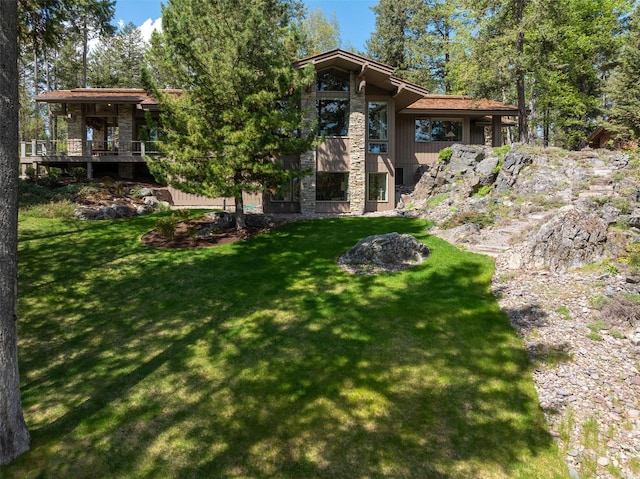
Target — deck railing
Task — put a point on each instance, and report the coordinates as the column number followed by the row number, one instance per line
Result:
column 65, row 148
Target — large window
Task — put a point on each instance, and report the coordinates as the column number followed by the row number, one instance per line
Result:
column 333, row 116
column 332, row 186
column 429, row 129
column 290, row 191
column 377, row 187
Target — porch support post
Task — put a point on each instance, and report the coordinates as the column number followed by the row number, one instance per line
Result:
column 89, row 170
column 496, row 131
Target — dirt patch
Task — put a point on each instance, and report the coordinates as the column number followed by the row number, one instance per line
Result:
column 184, row 237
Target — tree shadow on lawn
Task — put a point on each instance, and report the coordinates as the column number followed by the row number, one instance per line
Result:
column 265, row 359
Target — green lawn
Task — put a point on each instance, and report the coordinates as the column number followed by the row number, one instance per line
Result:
column 263, row 359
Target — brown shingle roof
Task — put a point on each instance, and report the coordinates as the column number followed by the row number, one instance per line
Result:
column 114, row 95
column 458, row 103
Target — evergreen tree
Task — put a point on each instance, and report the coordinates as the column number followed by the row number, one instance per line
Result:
column 439, row 33
column 319, row 33
column 240, row 109
column 91, row 19
column 625, row 87
column 118, row 61
column 14, row 436
column 389, row 42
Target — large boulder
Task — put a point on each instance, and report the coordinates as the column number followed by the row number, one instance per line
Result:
column 386, row 252
column 571, row 239
column 513, row 163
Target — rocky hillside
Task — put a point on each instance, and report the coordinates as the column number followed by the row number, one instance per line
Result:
column 564, row 228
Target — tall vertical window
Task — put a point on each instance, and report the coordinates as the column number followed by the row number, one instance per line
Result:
column 333, row 116
column 377, row 187
column 332, row 102
column 378, row 135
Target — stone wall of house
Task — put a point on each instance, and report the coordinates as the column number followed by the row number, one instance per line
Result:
column 125, row 128
column 357, row 144
column 77, row 130
column 308, row 159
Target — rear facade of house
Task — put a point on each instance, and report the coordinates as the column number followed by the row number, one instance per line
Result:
column 376, row 131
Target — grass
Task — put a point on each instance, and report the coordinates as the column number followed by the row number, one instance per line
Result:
column 263, row 359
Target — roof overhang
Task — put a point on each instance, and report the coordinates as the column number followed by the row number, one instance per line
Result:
column 102, row 95
column 456, row 105
column 373, row 72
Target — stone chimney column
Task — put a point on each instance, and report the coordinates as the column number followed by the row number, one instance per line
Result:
column 308, row 159
column 357, row 145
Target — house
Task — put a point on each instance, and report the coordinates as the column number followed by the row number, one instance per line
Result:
column 602, row 137
column 376, row 131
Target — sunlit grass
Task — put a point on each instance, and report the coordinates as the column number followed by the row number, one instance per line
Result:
column 265, row 359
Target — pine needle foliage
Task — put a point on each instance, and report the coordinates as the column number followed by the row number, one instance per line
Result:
column 239, row 114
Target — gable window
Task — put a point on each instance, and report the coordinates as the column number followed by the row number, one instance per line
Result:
column 431, row 129
column 332, row 80
column 377, row 187
column 332, row 186
column 378, row 127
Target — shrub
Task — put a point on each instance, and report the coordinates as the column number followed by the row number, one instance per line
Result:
column 52, row 177
column 445, row 155
column 484, row 191
column 30, row 171
column 468, row 217
column 501, row 151
column 167, row 227
column 79, row 173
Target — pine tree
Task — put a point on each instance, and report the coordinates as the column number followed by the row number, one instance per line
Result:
column 117, row 61
column 389, row 41
column 14, row 436
column 240, row 109
column 625, row 88
column 319, row 33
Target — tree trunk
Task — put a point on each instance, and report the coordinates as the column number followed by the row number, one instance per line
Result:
column 241, row 223
column 523, row 127
column 14, row 436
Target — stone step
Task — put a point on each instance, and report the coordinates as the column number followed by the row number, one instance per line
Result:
column 603, row 171
column 489, row 249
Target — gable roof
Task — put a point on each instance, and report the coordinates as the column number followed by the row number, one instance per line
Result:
column 443, row 104
column 372, row 71
column 101, row 95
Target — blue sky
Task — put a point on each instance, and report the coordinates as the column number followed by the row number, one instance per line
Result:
column 355, row 16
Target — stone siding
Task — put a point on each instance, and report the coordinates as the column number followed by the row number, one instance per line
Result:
column 357, row 147
column 308, row 159
column 77, row 130
column 125, row 128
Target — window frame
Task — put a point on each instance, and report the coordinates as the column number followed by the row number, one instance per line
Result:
column 346, row 178
column 429, row 135
column 346, row 110
column 370, row 189
column 377, row 143
column 292, row 194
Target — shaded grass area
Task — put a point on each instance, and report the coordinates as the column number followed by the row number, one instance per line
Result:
column 263, row 359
